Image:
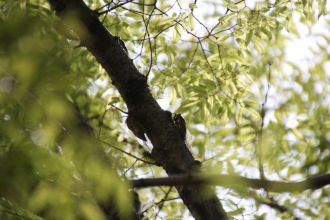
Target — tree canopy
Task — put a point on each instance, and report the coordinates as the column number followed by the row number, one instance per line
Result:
column 231, row 98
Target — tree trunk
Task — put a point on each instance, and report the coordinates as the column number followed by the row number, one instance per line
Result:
column 169, row 148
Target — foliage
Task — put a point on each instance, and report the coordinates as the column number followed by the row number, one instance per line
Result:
column 250, row 109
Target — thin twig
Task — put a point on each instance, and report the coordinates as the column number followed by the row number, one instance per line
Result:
column 129, row 168
column 163, row 201
column 259, row 152
column 113, row 8
column 122, row 111
column 127, row 153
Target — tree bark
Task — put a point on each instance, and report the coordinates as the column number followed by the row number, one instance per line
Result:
column 169, row 149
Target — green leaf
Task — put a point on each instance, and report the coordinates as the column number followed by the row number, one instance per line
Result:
column 267, row 32
column 297, row 133
column 222, row 38
column 192, row 6
column 248, row 37
column 187, row 104
column 322, row 7
column 176, row 34
column 236, row 212
column 258, row 45
column 225, row 19
column 190, row 22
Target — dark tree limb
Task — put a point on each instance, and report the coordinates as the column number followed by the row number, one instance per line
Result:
column 235, row 182
column 169, row 149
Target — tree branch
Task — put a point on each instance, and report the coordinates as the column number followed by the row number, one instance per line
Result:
column 235, row 182
column 169, row 149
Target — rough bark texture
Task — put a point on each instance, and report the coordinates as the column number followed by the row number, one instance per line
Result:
column 169, row 149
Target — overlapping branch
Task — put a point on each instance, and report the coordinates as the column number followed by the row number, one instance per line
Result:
column 235, row 182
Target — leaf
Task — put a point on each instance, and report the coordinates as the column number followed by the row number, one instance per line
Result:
column 258, row 45
column 271, row 22
column 239, row 116
column 176, row 34
column 297, row 133
column 248, row 37
column 236, row 212
column 267, row 32
column 238, row 32
column 225, row 19
column 173, row 95
column 190, row 22
column 231, row 6
column 192, row 6
column 254, row 113
column 232, row 88
column 291, row 26
column 322, row 7
column 187, row 104
column 222, row 38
